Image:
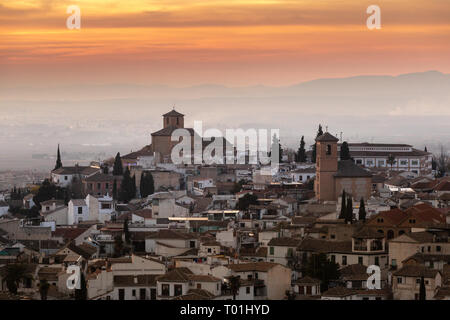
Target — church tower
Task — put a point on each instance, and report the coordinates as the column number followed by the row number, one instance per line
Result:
column 326, row 167
column 173, row 119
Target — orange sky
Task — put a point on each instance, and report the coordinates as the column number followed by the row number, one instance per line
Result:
column 188, row 42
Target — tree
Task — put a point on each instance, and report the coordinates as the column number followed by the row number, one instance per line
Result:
column 349, row 210
column 314, row 150
column 126, row 231
column 301, row 153
column 391, row 160
column 343, row 208
column 247, row 200
column 133, row 187
column 442, row 163
column 126, row 187
column 345, row 151
column 118, row 246
column 58, row 160
column 235, row 284
column 362, row 211
column 422, row 292
column 81, row 294
column 147, row 185
column 238, row 186
column 114, row 191
column 425, row 150
column 319, row 267
column 13, row 274
column 118, row 168
column 277, row 145
column 44, row 286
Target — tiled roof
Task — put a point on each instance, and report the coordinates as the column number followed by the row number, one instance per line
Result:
column 176, row 275
column 367, row 233
column 338, row 292
column 325, row 246
column 170, row 234
column 147, row 280
column 284, row 242
column 327, row 137
column 173, row 113
column 307, row 280
column 252, row 266
column 347, row 168
column 76, row 170
column 416, row 271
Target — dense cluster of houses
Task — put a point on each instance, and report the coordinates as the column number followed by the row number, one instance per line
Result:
column 228, row 232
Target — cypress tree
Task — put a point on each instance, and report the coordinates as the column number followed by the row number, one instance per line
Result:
column 343, row 206
column 126, row 231
column 349, row 209
column 301, row 154
column 345, row 151
column 422, row 292
column 362, row 211
column 314, row 151
column 118, row 168
column 114, row 190
column 126, row 187
column 133, row 187
column 147, row 186
column 58, row 160
column 426, row 150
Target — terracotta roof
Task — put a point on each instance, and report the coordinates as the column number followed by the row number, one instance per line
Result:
column 284, row 242
column 173, row 113
column 170, row 234
column 347, row 168
column 167, row 131
column 101, row 177
column 307, row 280
column 416, row 271
column 325, row 246
column 147, row 280
column 338, row 292
column 252, row 266
column 143, row 213
column 68, row 233
column 202, row 278
column 76, row 170
column 327, row 137
column 367, row 233
column 176, row 275
column 196, row 294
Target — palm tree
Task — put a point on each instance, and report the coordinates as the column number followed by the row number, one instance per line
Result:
column 13, row 274
column 43, row 289
column 391, row 160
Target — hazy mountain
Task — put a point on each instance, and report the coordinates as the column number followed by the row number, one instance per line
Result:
column 411, row 108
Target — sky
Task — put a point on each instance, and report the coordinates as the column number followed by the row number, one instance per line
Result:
column 229, row 42
column 286, row 64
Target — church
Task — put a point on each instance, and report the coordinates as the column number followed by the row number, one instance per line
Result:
column 333, row 176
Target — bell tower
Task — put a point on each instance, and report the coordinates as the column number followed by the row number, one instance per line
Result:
column 326, row 167
column 173, row 119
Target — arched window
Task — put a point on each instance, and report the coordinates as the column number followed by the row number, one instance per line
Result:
column 329, row 149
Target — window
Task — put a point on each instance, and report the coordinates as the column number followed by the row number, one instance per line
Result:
column 333, row 236
column 414, row 162
column 438, row 248
column 328, row 149
column 249, row 277
column 165, row 290
column 418, row 280
column 121, row 294
column 99, row 185
column 272, row 251
column 209, row 250
column 256, row 275
column 247, row 290
column 358, row 161
column 178, row 289
column 192, row 244
column 65, row 178
column 394, row 262
column 333, row 258
column 199, row 285
column 360, row 260
column 344, row 260
column 399, row 280
column 80, row 210
column 133, row 293
column 377, row 261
